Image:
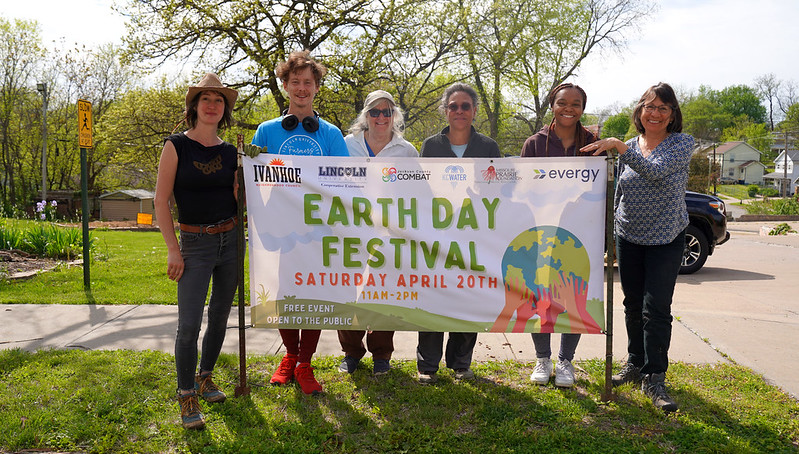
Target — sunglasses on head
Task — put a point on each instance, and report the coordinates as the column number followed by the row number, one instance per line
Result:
column 453, row 106
column 374, row 113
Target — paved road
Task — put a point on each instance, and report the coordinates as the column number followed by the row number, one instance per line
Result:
column 743, row 306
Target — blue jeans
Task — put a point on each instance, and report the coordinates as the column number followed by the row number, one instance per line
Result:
column 205, row 256
column 648, row 275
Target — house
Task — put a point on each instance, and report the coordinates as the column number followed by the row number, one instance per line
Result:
column 739, row 162
column 786, row 171
column 126, row 204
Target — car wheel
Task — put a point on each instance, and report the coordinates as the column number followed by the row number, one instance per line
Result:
column 695, row 252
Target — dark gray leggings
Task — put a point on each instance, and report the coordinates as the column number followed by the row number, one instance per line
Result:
column 568, row 345
column 207, row 258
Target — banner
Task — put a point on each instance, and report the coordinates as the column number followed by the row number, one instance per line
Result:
column 427, row 244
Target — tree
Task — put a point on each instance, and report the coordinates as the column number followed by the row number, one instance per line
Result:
column 702, row 117
column 246, row 39
column 755, row 134
column 585, row 27
column 740, row 100
column 617, row 126
column 768, row 87
column 20, row 140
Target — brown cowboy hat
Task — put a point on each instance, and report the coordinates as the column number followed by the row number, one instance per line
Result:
column 211, row 82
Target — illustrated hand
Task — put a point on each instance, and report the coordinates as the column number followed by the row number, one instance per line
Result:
column 252, row 150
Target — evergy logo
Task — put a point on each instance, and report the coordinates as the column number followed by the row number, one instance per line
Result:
column 584, row 175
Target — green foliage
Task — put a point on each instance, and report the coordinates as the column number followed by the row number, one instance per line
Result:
column 752, row 190
column 788, row 207
column 617, row 126
column 123, row 401
column 42, row 239
column 738, row 100
column 755, row 134
column 782, row 229
column 769, row 191
column 698, row 173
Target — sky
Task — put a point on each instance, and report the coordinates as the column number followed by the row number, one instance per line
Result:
column 686, row 43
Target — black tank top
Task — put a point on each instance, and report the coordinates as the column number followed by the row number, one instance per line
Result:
column 204, row 181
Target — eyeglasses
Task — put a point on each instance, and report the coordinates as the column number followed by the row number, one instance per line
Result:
column 665, row 110
column 374, row 113
column 453, row 106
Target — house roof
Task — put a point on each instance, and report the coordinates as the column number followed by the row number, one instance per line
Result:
column 727, row 146
column 793, row 154
column 122, row 194
column 752, row 162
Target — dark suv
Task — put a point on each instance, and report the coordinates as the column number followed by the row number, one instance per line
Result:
column 707, row 229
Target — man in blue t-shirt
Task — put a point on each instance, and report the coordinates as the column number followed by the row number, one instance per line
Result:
column 300, row 131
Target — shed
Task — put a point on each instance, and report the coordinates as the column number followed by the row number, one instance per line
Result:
column 126, row 204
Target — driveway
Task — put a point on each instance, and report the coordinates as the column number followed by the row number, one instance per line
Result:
column 745, row 302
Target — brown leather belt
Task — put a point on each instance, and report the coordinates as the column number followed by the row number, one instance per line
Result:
column 226, row 226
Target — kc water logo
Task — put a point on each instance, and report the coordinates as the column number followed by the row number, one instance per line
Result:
column 454, row 174
column 276, row 173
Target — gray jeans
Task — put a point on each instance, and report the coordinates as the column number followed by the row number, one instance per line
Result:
column 207, row 258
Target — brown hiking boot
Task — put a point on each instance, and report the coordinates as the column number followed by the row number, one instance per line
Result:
column 207, row 388
column 654, row 386
column 190, row 411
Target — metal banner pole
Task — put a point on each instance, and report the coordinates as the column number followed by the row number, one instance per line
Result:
column 242, row 389
column 610, row 247
column 84, row 192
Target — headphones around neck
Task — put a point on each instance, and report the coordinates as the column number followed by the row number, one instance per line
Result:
column 290, row 121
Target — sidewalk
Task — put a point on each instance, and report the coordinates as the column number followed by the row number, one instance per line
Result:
column 152, row 327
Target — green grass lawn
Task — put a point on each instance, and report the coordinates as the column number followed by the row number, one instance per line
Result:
column 123, row 401
column 129, row 267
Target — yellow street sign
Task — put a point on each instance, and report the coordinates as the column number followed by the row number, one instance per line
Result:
column 84, row 124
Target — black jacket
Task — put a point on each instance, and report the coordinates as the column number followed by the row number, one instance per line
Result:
column 479, row 146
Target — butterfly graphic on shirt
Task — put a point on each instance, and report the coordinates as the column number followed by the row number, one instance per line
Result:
column 211, row 167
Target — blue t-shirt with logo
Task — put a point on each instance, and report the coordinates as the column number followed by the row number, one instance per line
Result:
column 326, row 141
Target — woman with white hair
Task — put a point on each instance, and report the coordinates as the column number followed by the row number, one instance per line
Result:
column 376, row 132
column 378, row 129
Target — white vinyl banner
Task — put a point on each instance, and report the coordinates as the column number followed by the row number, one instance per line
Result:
column 427, row 244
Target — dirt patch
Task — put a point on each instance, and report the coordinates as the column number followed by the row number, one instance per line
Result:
column 15, row 264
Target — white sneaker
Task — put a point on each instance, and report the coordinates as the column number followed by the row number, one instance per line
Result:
column 542, row 371
column 564, row 374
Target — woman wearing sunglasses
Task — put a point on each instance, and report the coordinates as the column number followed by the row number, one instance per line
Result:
column 458, row 140
column 376, row 132
column 378, row 129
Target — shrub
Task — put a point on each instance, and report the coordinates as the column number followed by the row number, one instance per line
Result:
column 752, row 190
column 769, row 192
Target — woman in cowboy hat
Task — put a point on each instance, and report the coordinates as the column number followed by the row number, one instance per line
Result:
column 197, row 170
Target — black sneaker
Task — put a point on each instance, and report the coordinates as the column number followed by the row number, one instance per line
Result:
column 348, row 365
column 382, row 366
column 654, row 386
column 630, row 373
